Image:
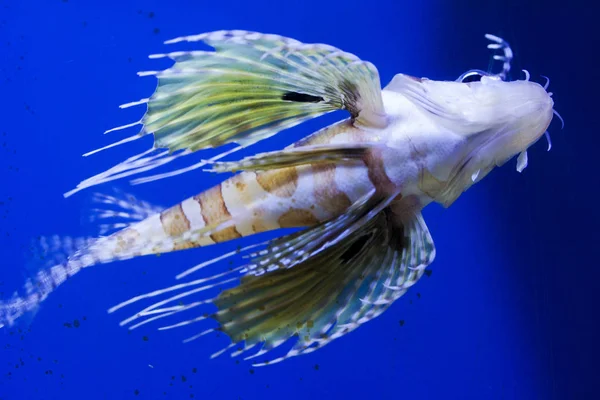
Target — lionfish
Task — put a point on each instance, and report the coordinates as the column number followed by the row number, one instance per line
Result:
column 355, row 188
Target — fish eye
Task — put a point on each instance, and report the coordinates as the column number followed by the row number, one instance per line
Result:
column 473, row 75
column 472, row 78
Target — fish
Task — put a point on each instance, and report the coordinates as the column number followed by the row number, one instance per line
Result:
column 352, row 193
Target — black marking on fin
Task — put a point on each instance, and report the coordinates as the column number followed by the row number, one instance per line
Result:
column 355, row 248
column 301, row 97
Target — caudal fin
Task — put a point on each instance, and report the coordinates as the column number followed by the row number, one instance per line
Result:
column 55, row 259
column 57, row 265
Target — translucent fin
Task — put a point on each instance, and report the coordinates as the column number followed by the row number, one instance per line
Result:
column 331, row 292
column 180, row 171
column 250, row 88
column 142, row 162
column 416, row 90
column 256, row 85
column 317, row 284
column 293, row 156
column 118, row 210
column 55, row 259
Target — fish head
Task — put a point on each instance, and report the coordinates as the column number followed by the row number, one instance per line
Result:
column 498, row 120
column 489, row 121
column 503, row 119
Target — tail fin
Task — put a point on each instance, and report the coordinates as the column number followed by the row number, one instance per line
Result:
column 55, row 259
column 57, row 266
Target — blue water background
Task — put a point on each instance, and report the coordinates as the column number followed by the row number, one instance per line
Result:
column 510, row 310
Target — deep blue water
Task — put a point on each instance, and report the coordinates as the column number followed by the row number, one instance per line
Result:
column 510, row 310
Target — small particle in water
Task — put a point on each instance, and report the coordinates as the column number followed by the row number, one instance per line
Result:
column 251, row 371
column 156, row 30
column 145, row 338
column 151, row 14
column 183, row 378
column 428, row 272
column 401, row 322
column 194, row 370
column 76, row 323
column 136, row 392
column 151, row 366
column 316, row 367
column 67, row 324
column 419, row 295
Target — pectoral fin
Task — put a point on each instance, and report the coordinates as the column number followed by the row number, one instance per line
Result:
column 317, row 284
column 294, row 156
column 250, row 88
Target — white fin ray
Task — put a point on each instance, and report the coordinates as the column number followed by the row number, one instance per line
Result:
column 119, row 210
column 199, row 335
column 250, row 88
column 115, row 144
column 279, row 284
column 294, row 156
column 180, row 171
column 54, row 260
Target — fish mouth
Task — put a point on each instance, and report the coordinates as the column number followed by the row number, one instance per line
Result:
column 554, row 112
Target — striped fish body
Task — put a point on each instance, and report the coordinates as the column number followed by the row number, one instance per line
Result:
column 256, row 201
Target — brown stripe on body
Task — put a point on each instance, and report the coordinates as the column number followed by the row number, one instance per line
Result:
column 296, row 217
column 174, row 221
column 327, row 195
column 214, row 212
column 376, row 171
column 326, row 135
column 279, row 182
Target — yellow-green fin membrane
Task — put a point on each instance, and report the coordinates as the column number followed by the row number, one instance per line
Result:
column 316, row 285
column 250, row 88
